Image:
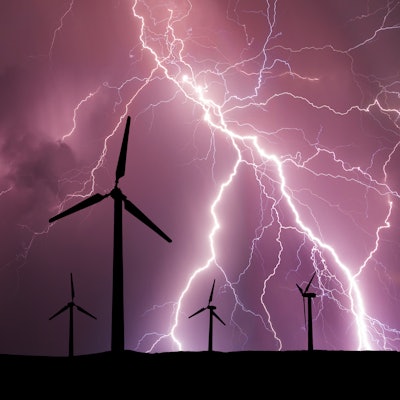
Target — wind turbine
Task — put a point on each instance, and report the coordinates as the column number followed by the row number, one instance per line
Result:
column 212, row 314
column 309, row 296
column 71, row 305
column 117, row 329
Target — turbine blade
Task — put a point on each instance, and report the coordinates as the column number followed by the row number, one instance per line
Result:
column 59, row 312
column 120, row 171
column 304, row 311
column 129, row 206
column 309, row 283
column 83, row 204
column 301, row 290
column 85, row 312
column 219, row 319
column 211, row 294
column 72, row 288
column 197, row 312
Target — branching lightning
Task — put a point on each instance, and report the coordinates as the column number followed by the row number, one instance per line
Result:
column 286, row 205
column 368, row 330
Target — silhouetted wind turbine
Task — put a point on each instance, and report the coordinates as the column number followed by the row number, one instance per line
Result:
column 70, row 305
column 117, row 329
column 212, row 314
column 309, row 296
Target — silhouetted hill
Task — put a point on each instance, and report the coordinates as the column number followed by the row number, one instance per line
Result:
column 197, row 373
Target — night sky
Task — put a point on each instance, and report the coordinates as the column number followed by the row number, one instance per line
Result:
column 264, row 141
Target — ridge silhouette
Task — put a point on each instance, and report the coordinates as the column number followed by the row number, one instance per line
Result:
column 117, row 328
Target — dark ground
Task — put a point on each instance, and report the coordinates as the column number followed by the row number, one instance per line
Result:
column 247, row 374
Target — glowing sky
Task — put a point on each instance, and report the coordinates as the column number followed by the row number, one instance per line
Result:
column 264, row 141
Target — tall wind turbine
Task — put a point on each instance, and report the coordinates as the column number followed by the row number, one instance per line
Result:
column 212, row 314
column 309, row 296
column 71, row 305
column 117, row 329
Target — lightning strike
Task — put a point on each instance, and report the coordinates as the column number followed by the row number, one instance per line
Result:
column 214, row 116
column 285, row 205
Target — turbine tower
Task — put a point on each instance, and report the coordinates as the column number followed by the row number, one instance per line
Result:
column 309, row 296
column 71, row 305
column 117, row 329
column 212, row 314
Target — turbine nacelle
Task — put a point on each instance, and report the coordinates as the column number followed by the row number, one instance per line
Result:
column 305, row 293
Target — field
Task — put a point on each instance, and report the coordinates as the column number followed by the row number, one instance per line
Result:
column 211, row 374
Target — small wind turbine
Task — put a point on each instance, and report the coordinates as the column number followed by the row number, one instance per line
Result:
column 212, row 314
column 117, row 328
column 309, row 296
column 71, row 305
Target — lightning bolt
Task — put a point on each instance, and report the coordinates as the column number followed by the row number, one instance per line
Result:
column 286, row 204
column 252, row 152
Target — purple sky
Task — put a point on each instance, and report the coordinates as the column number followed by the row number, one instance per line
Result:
column 263, row 140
